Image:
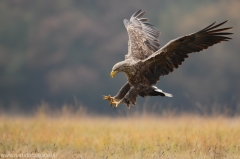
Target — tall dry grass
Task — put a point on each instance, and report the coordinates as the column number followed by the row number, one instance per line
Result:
column 77, row 135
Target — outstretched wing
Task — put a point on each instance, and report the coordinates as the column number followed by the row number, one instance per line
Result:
column 173, row 54
column 143, row 37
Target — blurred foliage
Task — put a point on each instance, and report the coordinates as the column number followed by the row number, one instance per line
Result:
column 59, row 51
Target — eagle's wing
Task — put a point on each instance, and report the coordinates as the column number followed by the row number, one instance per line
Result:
column 170, row 56
column 143, row 37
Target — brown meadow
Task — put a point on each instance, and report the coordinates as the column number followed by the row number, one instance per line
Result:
column 85, row 136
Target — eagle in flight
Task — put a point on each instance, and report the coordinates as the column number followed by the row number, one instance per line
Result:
column 146, row 61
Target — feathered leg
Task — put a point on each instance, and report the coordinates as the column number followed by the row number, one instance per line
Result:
column 122, row 92
column 129, row 98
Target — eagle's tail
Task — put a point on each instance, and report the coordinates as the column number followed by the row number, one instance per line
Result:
column 159, row 92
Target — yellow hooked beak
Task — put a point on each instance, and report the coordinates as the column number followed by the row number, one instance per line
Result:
column 113, row 73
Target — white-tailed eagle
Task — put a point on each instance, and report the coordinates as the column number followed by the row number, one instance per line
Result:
column 146, row 61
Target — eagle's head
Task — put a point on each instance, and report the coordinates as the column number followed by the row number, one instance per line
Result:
column 122, row 66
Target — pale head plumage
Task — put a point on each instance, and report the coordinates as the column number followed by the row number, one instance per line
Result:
column 123, row 66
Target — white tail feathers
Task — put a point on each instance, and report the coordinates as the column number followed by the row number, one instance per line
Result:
column 168, row 95
column 159, row 90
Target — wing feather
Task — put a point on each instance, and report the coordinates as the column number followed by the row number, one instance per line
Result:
column 143, row 37
column 170, row 56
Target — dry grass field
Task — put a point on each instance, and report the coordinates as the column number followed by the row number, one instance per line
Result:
column 87, row 137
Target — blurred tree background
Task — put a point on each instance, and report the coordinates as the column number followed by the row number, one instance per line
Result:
column 62, row 52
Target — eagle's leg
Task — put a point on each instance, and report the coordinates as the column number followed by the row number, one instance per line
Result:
column 122, row 92
column 129, row 98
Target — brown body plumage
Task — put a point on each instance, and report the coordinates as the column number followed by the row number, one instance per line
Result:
column 146, row 61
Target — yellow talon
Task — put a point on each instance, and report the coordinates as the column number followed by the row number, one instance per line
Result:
column 115, row 104
column 111, row 99
column 107, row 97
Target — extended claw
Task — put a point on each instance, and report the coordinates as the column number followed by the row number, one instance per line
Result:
column 111, row 99
column 115, row 104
